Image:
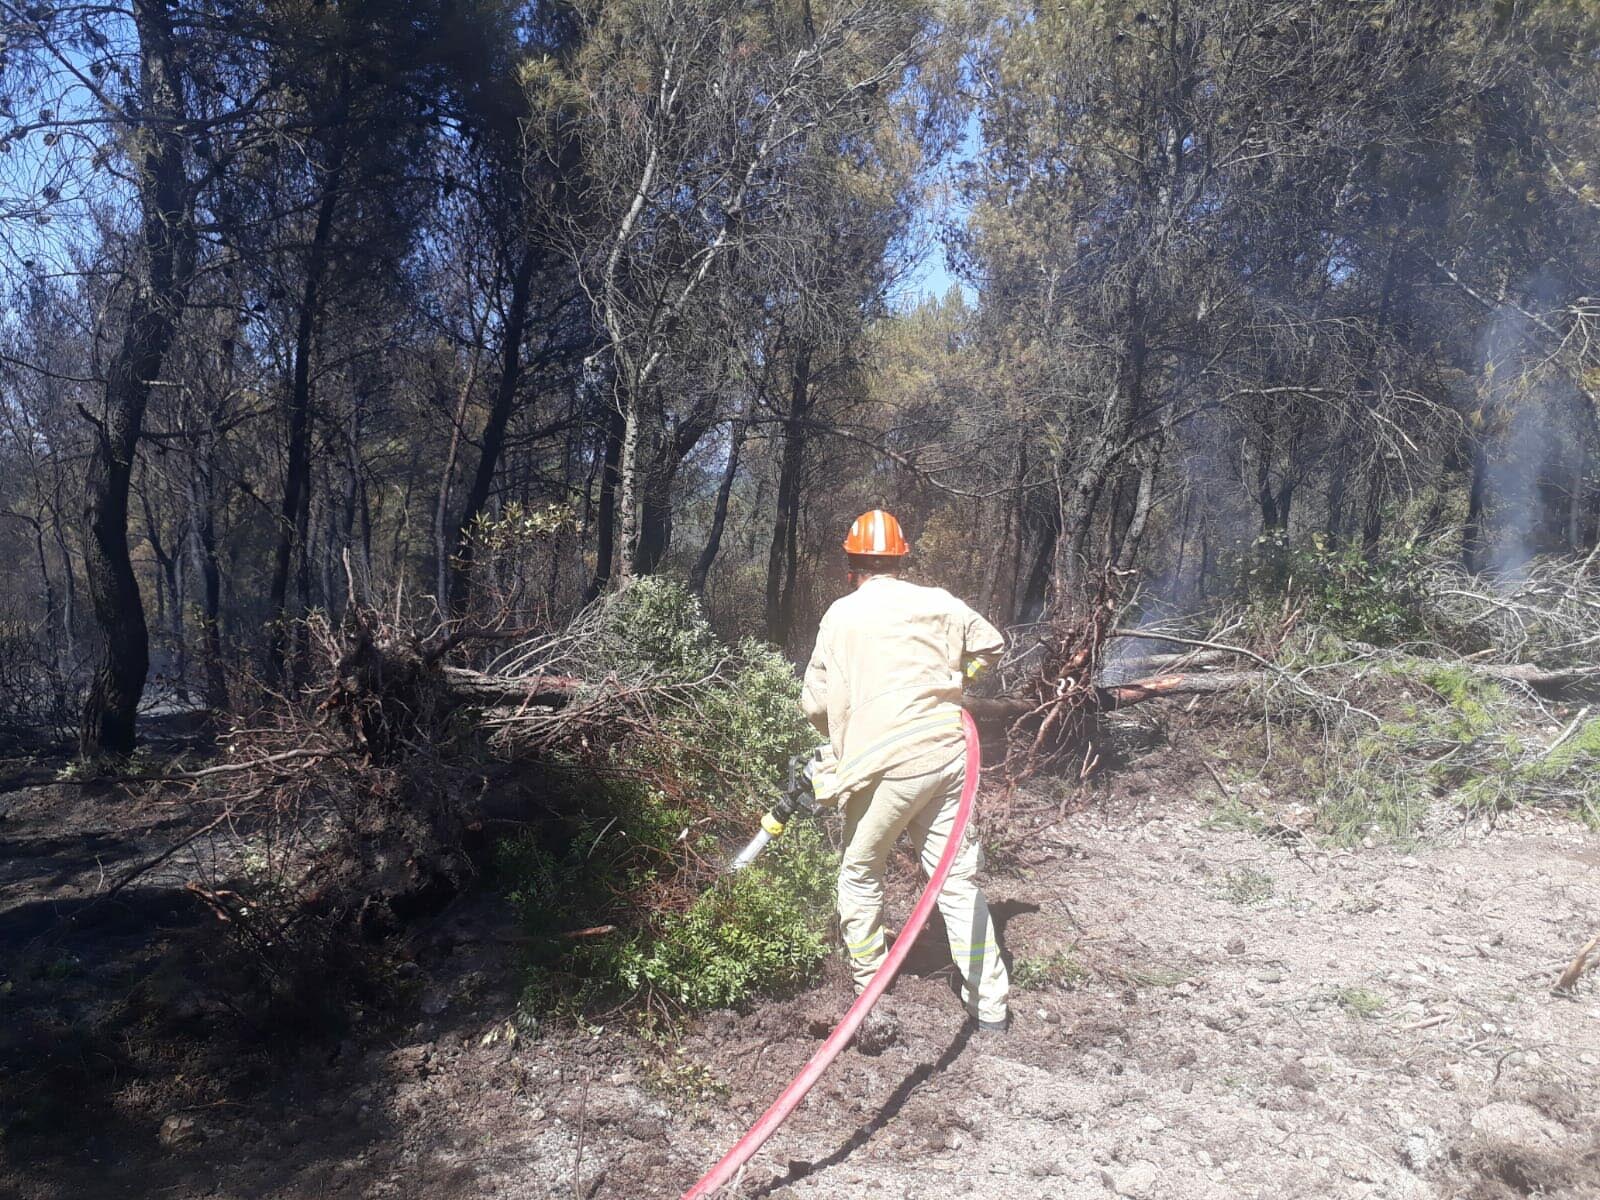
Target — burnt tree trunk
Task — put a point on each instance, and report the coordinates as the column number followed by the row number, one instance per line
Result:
column 294, row 515
column 108, row 724
column 719, row 512
column 1474, row 541
column 494, row 432
column 1143, row 500
column 606, row 510
column 781, row 552
column 1031, row 598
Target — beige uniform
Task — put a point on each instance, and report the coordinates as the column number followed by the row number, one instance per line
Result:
column 884, row 684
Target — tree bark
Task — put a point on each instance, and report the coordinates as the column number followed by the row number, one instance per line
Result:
column 109, row 720
column 1474, row 544
column 606, row 510
column 719, row 512
column 1137, row 523
column 627, row 489
column 1031, row 599
column 441, row 507
column 294, row 515
column 781, row 552
column 655, row 526
column 494, row 432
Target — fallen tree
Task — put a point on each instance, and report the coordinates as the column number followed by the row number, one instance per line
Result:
column 1571, row 683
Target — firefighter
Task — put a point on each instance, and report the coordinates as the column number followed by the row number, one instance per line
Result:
column 884, row 686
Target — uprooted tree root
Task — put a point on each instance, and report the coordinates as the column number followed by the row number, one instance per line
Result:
column 381, row 790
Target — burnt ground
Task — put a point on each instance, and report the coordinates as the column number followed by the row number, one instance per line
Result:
column 1213, row 1013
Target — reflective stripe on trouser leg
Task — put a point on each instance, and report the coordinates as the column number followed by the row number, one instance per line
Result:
column 874, row 817
column 973, row 942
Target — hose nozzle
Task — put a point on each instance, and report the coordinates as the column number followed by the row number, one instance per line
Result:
column 797, row 798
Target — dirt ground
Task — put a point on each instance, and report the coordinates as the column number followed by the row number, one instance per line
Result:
column 1212, row 1013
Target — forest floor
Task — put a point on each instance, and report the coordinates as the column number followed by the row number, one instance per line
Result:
column 1209, row 1012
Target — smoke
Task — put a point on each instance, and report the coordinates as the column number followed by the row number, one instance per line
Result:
column 1532, row 438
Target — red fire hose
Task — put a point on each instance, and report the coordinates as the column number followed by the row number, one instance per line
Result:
column 845, row 1030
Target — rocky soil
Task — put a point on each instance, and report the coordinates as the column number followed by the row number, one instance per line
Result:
column 1210, row 1012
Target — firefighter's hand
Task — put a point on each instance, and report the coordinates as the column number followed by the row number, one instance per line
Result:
column 822, row 770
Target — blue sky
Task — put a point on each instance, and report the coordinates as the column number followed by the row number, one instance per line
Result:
column 931, row 277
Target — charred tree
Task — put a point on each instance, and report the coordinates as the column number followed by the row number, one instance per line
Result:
column 167, row 246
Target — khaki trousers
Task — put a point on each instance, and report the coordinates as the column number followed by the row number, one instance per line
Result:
column 925, row 807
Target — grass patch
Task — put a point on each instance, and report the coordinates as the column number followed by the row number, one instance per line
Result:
column 1361, row 1003
column 681, row 1081
column 1158, row 976
column 1234, row 814
column 1379, row 801
column 1248, row 886
column 1060, row 969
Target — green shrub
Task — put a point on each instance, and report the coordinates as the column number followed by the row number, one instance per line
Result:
column 1366, row 596
column 640, row 845
column 761, row 929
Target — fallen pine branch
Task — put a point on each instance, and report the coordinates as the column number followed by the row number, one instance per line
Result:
column 1108, row 698
column 1576, row 968
column 228, row 768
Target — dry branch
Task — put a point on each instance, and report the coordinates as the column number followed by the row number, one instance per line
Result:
column 1576, row 968
column 1125, row 695
column 476, row 689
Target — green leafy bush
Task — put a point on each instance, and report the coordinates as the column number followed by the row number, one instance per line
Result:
column 761, row 929
column 643, row 832
column 1373, row 596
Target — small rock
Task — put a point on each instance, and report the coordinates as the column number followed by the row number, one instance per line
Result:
column 1420, row 1150
column 1203, row 1159
column 1270, row 976
column 1296, row 1076
column 434, row 1001
column 180, row 1133
column 1137, row 1181
column 1151, row 1123
column 1236, row 946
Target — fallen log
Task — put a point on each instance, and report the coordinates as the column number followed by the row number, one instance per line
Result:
column 477, row 690
column 1150, row 664
column 1562, row 683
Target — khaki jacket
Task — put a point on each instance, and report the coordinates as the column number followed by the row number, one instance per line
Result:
column 884, row 682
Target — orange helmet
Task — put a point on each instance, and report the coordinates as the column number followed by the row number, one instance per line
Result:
column 876, row 533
